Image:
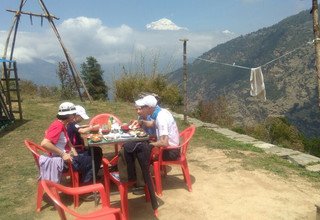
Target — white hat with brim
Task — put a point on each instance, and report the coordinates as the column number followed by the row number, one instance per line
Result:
column 67, row 108
column 82, row 112
column 148, row 100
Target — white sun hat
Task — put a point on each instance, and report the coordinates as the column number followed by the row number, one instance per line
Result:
column 67, row 108
column 148, row 100
column 82, row 112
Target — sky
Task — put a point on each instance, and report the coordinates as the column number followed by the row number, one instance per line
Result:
column 138, row 31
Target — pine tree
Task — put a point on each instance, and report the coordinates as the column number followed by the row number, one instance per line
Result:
column 92, row 73
column 68, row 86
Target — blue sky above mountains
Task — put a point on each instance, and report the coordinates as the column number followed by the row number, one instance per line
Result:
column 124, row 31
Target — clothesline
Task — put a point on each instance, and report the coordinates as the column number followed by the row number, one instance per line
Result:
column 226, row 64
column 249, row 68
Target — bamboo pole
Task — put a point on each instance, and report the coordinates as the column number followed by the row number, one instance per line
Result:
column 33, row 14
column 50, row 18
column 68, row 57
column 316, row 32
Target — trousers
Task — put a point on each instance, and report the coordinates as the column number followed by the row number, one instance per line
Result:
column 140, row 151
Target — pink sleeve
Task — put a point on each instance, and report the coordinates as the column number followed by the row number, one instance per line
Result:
column 53, row 132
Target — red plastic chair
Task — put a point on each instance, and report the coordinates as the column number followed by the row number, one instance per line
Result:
column 102, row 119
column 122, row 187
column 159, row 164
column 36, row 151
column 105, row 212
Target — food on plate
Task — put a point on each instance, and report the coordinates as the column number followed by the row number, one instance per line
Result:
column 133, row 132
column 95, row 138
column 141, row 134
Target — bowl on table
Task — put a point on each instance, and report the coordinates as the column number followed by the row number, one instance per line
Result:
column 105, row 131
column 125, row 127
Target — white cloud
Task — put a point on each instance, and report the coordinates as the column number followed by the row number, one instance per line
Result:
column 227, row 32
column 29, row 46
column 81, row 23
column 113, row 46
column 164, row 24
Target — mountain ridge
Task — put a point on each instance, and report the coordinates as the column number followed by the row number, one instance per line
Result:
column 290, row 81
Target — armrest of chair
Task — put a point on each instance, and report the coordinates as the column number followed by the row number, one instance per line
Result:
column 106, row 163
column 98, row 187
column 166, row 148
column 114, row 160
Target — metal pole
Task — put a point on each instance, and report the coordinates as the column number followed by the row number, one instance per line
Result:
column 185, row 79
column 316, row 32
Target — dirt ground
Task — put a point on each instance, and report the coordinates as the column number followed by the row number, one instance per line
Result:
column 222, row 189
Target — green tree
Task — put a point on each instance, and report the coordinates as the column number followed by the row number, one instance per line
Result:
column 68, row 86
column 92, row 73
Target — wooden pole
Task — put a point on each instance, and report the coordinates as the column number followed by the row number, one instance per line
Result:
column 316, row 32
column 72, row 66
column 185, row 79
column 50, row 18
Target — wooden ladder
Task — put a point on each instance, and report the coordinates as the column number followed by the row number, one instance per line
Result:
column 10, row 99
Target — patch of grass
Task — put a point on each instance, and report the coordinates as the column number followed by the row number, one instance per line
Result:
column 212, row 139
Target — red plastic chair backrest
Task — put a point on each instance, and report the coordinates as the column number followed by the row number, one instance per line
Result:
column 36, row 150
column 53, row 189
column 103, row 119
column 52, row 192
column 185, row 137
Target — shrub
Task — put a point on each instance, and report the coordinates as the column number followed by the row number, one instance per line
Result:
column 47, row 91
column 312, row 146
column 214, row 111
column 281, row 132
column 28, row 87
column 129, row 86
column 278, row 131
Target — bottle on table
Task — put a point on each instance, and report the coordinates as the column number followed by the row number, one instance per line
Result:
column 110, row 122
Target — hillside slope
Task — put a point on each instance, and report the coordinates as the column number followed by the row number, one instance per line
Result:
column 291, row 82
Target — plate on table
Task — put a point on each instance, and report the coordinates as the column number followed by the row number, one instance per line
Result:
column 111, row 136
column 141, row 134
column 126, row 135
column 96, row 138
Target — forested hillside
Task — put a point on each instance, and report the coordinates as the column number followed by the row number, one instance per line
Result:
column 291, row 82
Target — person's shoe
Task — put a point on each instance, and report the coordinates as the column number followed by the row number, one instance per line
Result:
column 138, row 190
